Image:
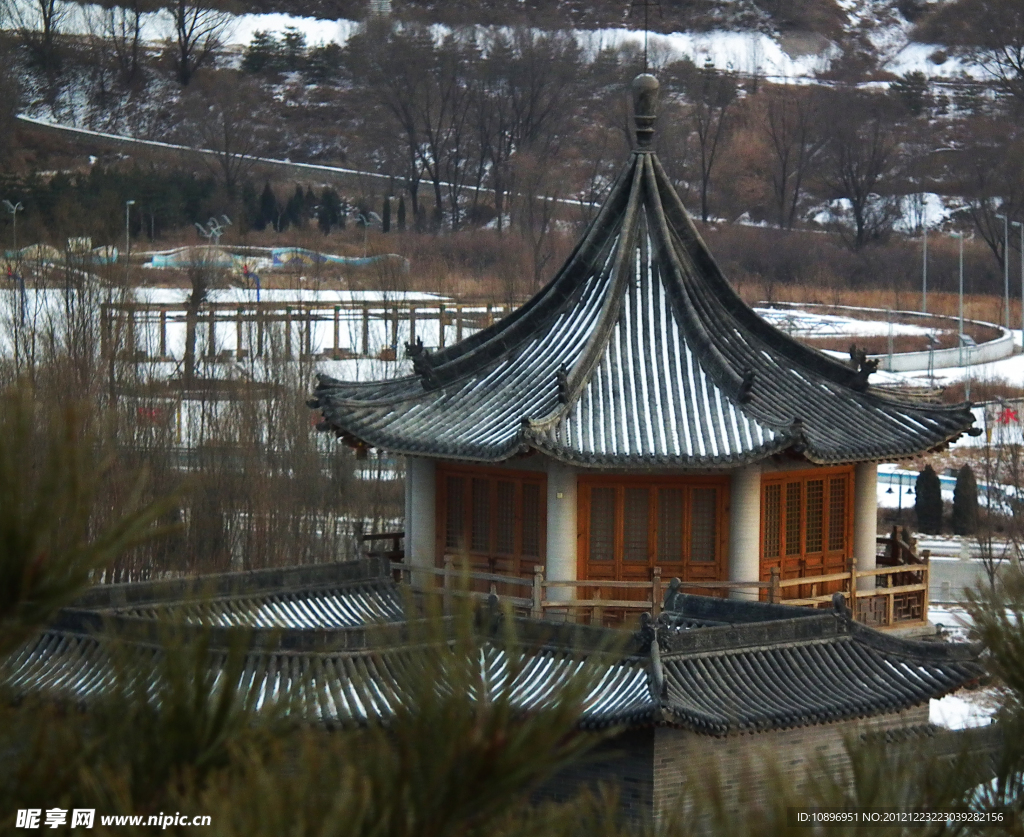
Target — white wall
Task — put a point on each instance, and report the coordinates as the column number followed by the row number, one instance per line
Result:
column 745, row 528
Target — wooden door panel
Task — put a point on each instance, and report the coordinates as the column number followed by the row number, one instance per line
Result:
column 806, row 527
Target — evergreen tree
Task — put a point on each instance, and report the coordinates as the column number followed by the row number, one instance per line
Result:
column 965, row 502
column 296, row 208
column 928, row 501
column 329, row 210
column 385, row 215
column 309, row 209
column 323, row 64
column 263, row 55
column 268, row 213
column 293, row 49
column 401, row 213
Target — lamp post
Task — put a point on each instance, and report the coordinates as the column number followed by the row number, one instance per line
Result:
column 924, row 269
column 127, row 234
column 14, row 209
column 1021, row 225
column 1006, row 270
column 960, row 335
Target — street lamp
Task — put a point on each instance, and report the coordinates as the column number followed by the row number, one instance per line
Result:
column 960, row 336
column 1006, row 270
column 367, row 218
column 1021, row 225
column 924, row 269
column 14, row 208
column 127, row 233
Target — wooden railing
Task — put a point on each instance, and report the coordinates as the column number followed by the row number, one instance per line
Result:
column 139, row 331
column 891, row 602
column 884, row 597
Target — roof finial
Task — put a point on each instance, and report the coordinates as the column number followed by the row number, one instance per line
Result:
column 645, row 108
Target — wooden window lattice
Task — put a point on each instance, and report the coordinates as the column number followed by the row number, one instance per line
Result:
column 531, row 519
column 772, row 520
column 703, row 514
column 635, row 524
column 602, row 524
column 837, row 513
column 815, row 515
column 454, row 519
column 481, row 515
column 670, row 525
column 505, row 519
column 793, row 518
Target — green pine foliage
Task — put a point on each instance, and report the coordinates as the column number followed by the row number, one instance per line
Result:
column 928, row 501
column 264, row 54
column 53, row 539
column 965, row 502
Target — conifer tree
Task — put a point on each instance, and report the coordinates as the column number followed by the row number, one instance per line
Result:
column 965, row 502
column 296, row 207
column 928, row 501
column 263, row 54
column 268, row 208
column 385, row 215
column 329, row 210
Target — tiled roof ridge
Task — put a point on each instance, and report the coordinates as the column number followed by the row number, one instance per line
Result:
column 638, row 331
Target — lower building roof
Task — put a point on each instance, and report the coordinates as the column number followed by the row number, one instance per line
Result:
column 341, row 645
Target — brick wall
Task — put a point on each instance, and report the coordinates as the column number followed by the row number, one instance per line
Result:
column 742, row 761
column 650, row 766
column 625, row 762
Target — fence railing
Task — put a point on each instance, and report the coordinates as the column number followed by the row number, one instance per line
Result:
column 233, row 330
column 895, row 596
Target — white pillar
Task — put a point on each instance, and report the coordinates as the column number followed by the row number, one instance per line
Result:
column 562, row 534
column 745, row 528
column 420, row 506
column 865, row 520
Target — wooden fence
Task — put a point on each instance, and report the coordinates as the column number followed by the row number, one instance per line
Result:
column 248, row 326
column 893, row 596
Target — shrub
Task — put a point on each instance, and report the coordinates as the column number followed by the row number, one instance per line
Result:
column 965, row 502
column 928, row 501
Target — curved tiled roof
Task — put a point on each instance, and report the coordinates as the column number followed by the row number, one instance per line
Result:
column 638, row 353
column 713, row 666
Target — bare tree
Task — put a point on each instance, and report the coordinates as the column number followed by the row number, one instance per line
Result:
column 993, row 182
column 990, row 33
column 393, row 64
column 861, row 165
column 38, row 26
column 528, row 81
column 712, row 95
column 539, row 192
column 122, row 30
column 790, row 126
column 199, row 29
column 222, row 116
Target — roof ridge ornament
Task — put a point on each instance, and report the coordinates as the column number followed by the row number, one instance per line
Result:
column 422, row 364
column 645, row 109
column 864, row 366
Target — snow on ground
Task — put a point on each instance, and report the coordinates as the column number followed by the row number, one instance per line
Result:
column 963, row 709
column 744, row 52
column 813, row 324
column 316, row 31
column 748, row 51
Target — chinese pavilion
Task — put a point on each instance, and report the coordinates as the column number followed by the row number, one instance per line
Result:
column 637, row 413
